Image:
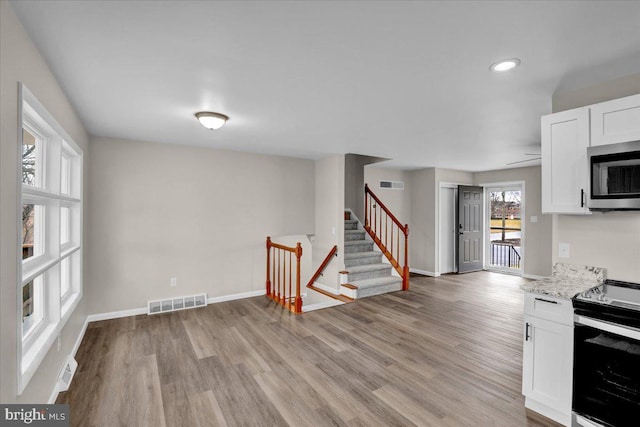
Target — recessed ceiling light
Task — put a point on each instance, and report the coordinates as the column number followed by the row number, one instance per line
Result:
column 211, row 120
column 504, row 65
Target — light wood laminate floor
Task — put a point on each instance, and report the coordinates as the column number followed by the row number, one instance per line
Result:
column 446, row 353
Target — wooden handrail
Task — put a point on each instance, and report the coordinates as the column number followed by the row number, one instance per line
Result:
column 276, row 282
column 332, row 252
column 279, row 246
column 379, row 230
column 404, row 227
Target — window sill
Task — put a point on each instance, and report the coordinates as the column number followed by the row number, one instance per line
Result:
column 33, row 356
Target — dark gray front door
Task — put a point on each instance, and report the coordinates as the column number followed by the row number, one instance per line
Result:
column 470, row 231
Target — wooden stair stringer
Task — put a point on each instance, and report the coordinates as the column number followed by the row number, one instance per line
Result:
column 345, row 299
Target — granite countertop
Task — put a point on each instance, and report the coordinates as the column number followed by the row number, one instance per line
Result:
column 567, row 281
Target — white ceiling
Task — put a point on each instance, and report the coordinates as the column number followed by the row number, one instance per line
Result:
column 408, row 81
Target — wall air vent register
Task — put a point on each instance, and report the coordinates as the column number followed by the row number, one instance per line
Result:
column 175, row 304
column 392, row 185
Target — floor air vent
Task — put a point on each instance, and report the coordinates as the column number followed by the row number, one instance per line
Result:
column 65, row 377
column 175, row 304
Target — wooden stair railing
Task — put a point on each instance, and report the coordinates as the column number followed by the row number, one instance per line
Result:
column 388, row 233
column 332, row 252
column 280, row 268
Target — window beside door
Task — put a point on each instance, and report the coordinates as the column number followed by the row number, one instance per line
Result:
column 505, row 229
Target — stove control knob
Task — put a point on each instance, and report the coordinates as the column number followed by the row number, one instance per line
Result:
column 601, row 297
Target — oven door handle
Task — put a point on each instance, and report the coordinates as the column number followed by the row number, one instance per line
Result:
column 608, row 327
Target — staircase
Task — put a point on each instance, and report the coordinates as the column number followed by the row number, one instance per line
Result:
column 367, row 274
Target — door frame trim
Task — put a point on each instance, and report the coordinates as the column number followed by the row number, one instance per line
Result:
column 445, row 184
column 523, row 221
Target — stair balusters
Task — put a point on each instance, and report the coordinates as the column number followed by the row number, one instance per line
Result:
column 280, row 275
column 379, row 222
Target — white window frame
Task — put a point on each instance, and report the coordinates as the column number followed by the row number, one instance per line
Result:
column 40, row 151
column 510, row 186
column 57, row 308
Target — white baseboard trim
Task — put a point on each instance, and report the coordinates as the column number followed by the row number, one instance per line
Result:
column 76, row 346
column 348, row 292
column 326, row 288
column 424, row 272
column 232, row 297
column 116, row 314
column 532, row 276
column 54, row 395
column 143, row 310
column 554, row 414
column 320, row 305
column 74, row 350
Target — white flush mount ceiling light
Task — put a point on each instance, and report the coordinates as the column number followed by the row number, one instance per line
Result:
column 504, row 65
column 211, row 120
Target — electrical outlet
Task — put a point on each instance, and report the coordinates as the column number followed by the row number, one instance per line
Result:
column 564, row 249
column 173, row 282
column 534, row 218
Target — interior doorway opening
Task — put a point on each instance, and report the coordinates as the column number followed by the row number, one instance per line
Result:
column 505, row 228
column 448, row 259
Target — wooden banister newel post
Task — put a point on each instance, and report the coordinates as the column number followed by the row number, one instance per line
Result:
column 298, row 306
column 268, row 266
column 366, row 205
column 405, row 278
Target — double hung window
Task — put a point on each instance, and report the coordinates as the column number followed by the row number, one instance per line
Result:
column 50, row 232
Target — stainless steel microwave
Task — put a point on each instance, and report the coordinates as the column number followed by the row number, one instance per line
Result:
column 614, row 177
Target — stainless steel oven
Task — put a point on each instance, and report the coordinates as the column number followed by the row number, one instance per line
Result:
column 606, row 369
column 614, row 177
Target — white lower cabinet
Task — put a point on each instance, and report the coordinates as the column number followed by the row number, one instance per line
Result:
column 548, row 362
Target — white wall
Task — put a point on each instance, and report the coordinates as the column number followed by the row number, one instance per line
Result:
column 396, row 200
column 422, row 220
column 201, row 215
column 329, row 219
column 354, row 180
column 21, row 61
column 607, row 240
column 600, row 92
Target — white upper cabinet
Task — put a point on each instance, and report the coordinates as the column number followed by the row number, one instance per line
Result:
column 565, row 138
column 616, row 121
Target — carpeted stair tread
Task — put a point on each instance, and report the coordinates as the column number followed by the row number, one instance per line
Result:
column 379, row 281
column 361, row 258
column 368, row 267
column 357, row 242
column 367, row 254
